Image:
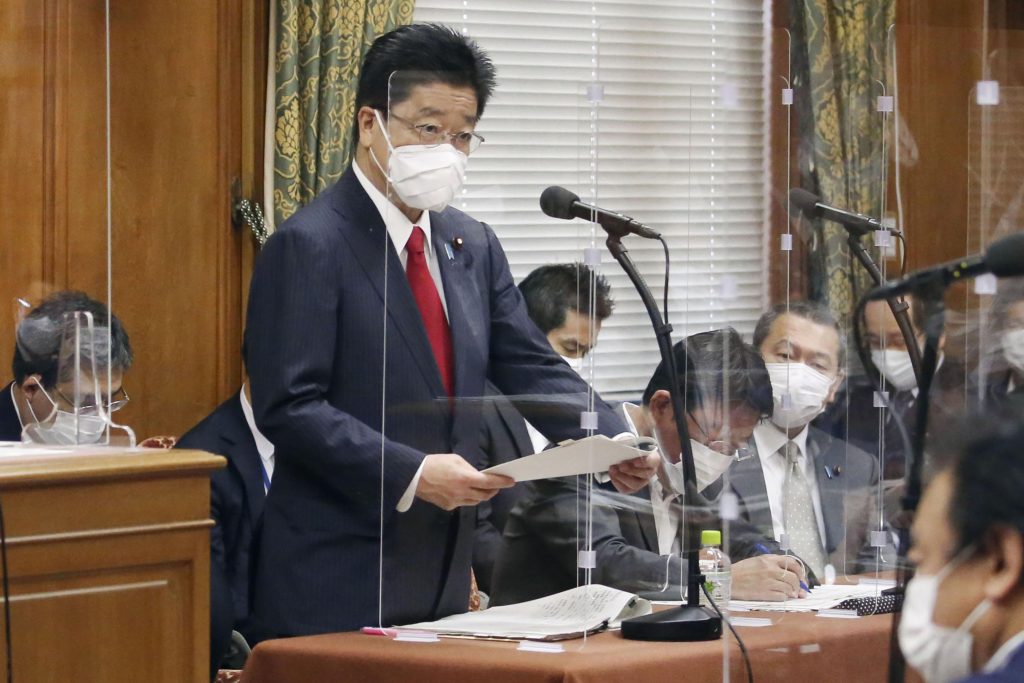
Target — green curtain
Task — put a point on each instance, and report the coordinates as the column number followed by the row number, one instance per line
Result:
column 843, row 48
column 318, row 49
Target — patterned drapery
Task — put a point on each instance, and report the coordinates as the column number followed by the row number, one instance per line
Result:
column 842, row 68
column 318, row 47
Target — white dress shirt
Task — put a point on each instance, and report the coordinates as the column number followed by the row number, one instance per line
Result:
column 399, row 229
column 537, row 440
column 666, row 523
column 769, row 439
column 263, row 445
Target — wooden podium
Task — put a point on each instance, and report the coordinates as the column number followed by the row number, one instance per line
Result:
column 109, row 559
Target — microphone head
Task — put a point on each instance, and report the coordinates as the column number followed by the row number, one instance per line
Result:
column 557, row 202
column 805, row 201
column 1005, row 257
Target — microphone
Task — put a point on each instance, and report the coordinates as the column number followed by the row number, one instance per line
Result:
column 811, row 206
column 1003, row 258
column 559, row 202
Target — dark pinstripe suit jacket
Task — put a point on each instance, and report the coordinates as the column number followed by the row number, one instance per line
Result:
column 315, row 351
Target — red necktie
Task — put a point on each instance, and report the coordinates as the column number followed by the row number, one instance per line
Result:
column 427, row 300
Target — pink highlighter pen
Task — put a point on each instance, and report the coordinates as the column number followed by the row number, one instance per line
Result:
column 375, row 631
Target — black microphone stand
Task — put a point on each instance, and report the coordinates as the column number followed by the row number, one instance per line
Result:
column 692, row 621
column 898, row 306
column 930, row 295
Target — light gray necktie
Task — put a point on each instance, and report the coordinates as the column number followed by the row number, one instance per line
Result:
column 798, row 512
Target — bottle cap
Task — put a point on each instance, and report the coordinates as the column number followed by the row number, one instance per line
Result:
column 711, row 537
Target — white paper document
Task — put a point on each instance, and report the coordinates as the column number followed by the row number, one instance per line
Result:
column 564, row 615
column 584, row 456
column 821, row 597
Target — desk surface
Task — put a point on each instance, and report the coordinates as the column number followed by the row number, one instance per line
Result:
column 797, row 648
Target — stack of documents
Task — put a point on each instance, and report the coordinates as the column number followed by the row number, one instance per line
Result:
column 821, row 597
column 569, row 614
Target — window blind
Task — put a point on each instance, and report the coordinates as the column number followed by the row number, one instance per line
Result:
column 673, row 134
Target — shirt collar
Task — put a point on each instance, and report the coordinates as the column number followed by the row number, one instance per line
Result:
column 769, row 439
column 263, row 445
column 399, row 227
column 1002, row 656
column 17, row 412
column 627, row 408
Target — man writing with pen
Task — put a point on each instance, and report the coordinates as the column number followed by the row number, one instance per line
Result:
column 637, row 537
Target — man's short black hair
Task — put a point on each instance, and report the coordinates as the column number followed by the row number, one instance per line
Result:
column 550, row 291
column 988, row 474
column 809, row 310
column 713, row 366
column 39, row 336
column 421, row 54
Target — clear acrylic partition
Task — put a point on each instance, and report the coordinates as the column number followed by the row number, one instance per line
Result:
column 84, row 391
column 708, row 157
column 58, row 329
column 993, row 309
column 523, row 368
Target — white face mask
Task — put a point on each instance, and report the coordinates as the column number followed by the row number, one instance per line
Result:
column 63, row 430
column 1013, row 348
column 806, row 388
column 579, row 366
column 895, row 365
column 427, row 177
column 708, row 463
column 939, row 653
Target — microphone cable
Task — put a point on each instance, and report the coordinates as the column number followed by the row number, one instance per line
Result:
column 739, row 641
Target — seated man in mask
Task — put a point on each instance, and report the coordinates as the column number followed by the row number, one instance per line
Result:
column 42, row 400
column 1003, row 346
column 805, row 484
column 963, row 613
column 637, row 537
column 855, row 416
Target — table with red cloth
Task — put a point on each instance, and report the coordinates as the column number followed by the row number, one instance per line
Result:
column 796, row 648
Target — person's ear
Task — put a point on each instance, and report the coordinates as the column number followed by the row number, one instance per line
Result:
column 1006, row 557
column 368, row 129
column 660, row 406
column 834, row 389
column 30, row 386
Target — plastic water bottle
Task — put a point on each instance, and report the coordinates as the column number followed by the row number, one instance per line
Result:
column 716, row 568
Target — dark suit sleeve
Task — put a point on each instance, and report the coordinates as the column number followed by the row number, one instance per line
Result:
column 523, row 363
column 556, row 515
column 290, row 341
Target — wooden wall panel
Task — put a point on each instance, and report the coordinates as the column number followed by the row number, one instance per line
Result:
column 23, row 172
column 177, row 139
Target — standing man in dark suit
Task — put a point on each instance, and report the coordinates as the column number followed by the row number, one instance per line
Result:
column 558, row 300
column 817, row 491
column 372, row 312
column 237, row 492
column 42, row 395
column 636, row 538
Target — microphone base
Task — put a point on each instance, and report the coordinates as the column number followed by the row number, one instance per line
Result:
column 688, row 623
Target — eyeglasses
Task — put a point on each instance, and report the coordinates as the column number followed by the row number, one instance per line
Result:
column 87, row 406
column 723, row 446
column 432, row 134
